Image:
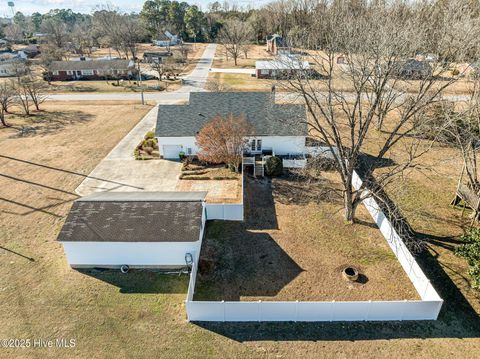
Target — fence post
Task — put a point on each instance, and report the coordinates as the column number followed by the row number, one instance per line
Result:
column 367, row 312
column 223, row 306
column 259, row 310
column 296, row 310
column 426, row 288
column 402, row 313
column 332, row 311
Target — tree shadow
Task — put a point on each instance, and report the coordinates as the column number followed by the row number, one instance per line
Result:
column 140, row 281
column 67, row 171
column 259, row 205
column 294, row 188
column 17, row 253
column 241, row 263
column 44, row 123
column 457, row 319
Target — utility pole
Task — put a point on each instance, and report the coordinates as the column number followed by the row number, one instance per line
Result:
column 140, row 82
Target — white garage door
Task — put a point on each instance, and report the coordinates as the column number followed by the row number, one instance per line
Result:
column 171, row 151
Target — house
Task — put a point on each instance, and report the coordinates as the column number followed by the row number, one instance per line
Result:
column 277, row 45
column 12, row 67
column 30, row 51
column 412, row 69
column 279, row 129
column 155, row 57
column 283, row 66
column 166, row 39
column 91, row 70
column 174, row 39
column 134, row 229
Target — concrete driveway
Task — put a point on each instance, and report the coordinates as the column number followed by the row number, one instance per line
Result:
column 119, row 171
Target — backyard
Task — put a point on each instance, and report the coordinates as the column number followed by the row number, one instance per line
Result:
column 294, row 247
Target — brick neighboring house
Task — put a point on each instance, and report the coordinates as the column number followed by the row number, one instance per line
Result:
column 91, row 70
column 277, row 45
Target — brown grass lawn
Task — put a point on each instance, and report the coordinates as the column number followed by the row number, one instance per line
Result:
column 237, row 82
column 257, row 52
column 293, row 248
column 142, row 314
column 111, row 86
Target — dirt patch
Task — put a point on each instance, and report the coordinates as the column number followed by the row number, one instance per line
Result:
column 297, row 251
column 219, row 191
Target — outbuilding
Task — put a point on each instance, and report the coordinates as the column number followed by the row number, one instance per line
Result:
column 134, row 229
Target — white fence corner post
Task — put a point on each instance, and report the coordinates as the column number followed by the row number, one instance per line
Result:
column 186, row 307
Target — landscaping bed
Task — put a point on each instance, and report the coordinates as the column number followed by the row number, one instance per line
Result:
column 294, row 245
column 195, row 170
column 147, row 149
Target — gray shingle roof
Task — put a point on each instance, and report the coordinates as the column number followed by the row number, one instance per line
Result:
column 89, row 65
column 135, row 217
column 260, row 109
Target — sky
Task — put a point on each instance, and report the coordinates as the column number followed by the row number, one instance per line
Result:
column 86, row 6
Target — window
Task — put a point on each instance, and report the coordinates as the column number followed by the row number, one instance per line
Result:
column 69, row 72
column 189, row 151
column 87, row 72
column 55, row 73
column 264, row 71
column 256, row 145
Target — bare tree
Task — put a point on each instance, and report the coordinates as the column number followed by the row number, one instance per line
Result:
column 14, row 32
column 120, row 31
column 184, row 50
column 377, row 45
column 57, row 32
column 223, row 140
column 234, row 35
column 7, row 97
column 460, row 128
column 30, row 90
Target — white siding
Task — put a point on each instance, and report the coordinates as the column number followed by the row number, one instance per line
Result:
column 131, row 253
column 155, row 254
column 281, row 145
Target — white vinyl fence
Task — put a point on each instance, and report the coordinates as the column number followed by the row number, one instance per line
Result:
column 298, row 163
column 425, row 309
column 227, row 212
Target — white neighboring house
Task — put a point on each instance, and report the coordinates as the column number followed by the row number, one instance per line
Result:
column 166, row 39
column 279, row 129
column 137, row 229
column 12, row 67
column 283, row 66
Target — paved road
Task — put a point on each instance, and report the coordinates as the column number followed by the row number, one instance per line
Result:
column 195, row 81
column 119, row 171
